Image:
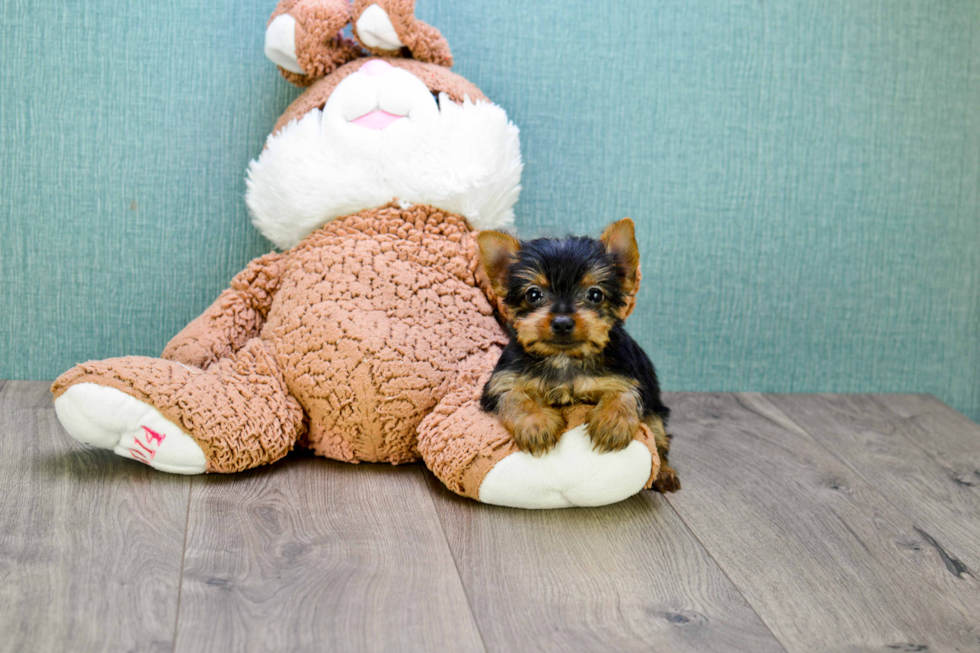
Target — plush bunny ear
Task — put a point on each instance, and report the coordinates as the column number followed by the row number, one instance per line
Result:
column 386, row 27
column 303, row 39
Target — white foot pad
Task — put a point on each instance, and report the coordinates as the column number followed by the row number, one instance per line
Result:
column 110, row 419
column 571, row 474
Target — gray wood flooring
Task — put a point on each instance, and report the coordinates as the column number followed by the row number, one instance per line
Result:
column 806, row 523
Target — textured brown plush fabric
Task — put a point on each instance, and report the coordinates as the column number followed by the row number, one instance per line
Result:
column 424, row 42
column 436, row 78
column 233, row 319
column 349, row 339
column 374, row 314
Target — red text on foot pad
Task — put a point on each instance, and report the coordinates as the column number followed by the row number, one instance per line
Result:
column 145, row 450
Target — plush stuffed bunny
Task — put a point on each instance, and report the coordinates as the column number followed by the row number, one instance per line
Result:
column 369, row 338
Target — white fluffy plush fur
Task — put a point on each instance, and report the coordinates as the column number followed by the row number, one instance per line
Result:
column 462, row 158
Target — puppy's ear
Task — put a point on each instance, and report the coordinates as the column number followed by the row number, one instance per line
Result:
column 620, row 241
column 497, row 252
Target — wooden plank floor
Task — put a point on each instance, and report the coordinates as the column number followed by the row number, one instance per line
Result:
column 806, row 523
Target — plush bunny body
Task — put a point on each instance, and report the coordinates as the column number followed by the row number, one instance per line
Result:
column 370, row 337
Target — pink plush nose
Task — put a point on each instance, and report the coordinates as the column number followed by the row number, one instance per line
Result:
column 375, row 67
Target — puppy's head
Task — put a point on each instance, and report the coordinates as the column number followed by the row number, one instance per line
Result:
column 563, row 296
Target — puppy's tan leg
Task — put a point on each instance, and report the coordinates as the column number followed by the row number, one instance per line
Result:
column 667, row 479
column 534, row 425
column 615, row 420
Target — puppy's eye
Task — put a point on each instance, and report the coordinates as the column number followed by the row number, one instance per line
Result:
column 533, row 295
column 594, row 295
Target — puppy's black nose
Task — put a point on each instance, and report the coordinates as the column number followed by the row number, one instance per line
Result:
column 562, row 325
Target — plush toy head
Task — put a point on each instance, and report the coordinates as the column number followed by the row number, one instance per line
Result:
column 370, row 130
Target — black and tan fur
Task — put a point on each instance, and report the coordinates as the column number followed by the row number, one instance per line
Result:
column 564, row 302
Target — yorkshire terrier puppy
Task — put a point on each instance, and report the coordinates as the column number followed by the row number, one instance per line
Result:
column 563, row 302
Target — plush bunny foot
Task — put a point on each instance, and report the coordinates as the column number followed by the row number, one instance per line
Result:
column 238, row 412
column 571, row 474
column 110, row 419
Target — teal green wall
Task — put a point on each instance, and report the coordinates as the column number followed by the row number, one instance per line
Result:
column 805, row 175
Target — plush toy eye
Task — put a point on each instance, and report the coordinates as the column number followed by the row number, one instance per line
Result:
column 533, row 295
column 594, row 295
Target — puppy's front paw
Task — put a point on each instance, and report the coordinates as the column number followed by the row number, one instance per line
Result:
column 537, row 432
column 612, row 426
